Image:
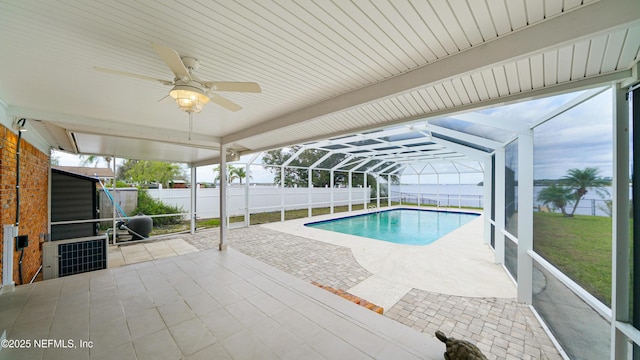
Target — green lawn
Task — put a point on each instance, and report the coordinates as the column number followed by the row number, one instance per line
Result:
column 579, row 246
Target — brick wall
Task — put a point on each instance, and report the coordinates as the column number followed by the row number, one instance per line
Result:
column 34, row 174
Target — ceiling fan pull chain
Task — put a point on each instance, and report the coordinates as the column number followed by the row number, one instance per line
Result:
column 190, row 124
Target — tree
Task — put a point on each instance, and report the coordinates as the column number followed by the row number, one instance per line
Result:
column 145, row 172
column 233, row 173
column 238, row 172
column 581, row 180
column 556, row 196
column 297, row 174
column 88, row 160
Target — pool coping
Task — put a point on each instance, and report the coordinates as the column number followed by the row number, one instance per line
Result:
column 459, row 263
column 357, row 213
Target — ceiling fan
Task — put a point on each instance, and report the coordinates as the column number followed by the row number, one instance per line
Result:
column 189, row 92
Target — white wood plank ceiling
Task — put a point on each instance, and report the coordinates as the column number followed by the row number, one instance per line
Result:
column 326, row 68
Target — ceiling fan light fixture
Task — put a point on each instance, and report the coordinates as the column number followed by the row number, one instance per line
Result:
column 189, row 98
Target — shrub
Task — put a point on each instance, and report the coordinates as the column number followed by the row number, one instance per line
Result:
column 150, row 206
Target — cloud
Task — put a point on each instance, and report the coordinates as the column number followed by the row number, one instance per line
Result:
column 579, row 138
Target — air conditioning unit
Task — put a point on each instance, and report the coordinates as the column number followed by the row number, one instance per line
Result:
column 74, row 256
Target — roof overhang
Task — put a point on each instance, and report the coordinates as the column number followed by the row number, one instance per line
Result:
column 366, row 71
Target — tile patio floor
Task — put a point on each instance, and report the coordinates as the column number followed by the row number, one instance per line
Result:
column 202, row 305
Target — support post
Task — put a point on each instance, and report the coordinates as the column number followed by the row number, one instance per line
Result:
column 113, row 210
column 309, row 189
column 499, row 205
column 350, row 191
column 247, row 213
column 419, row 191
column 486, row 181
column 331, row 191
column 282, row 193
column 192, row 205
column 525, row 217
column 620, row 311
column 389, row 190
column 223, row 198
column 365, row 199
column 378, row 191
column 438, row 190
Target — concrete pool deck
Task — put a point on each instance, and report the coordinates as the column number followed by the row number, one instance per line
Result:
column 457, row 264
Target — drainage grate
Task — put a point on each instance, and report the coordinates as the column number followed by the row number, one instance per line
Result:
column 82, row 256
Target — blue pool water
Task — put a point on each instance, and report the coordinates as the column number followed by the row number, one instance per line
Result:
column 400, row 226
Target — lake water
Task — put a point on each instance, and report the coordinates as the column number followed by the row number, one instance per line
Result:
column 454, row 195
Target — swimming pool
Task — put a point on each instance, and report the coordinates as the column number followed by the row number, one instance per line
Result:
column 400, row 226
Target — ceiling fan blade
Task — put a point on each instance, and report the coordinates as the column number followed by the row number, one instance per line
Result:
column 128, row 74
column 225, row 103
column 165, row 98
column 251, row 87
column 172, row 59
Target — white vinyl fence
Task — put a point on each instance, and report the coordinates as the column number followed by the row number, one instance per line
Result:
column 261, row 199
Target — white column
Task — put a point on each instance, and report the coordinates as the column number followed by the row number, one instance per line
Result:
column 350, row 191
column 438, row 189
column 486, row 181
column 378, row 178
column 331, row 192
column 525, row 217
column 389, row 190
column 365, row 199
column 621, row 241
column 499, row 205
column 113, row 212
column 281, row 193
column 193, row 205
column 419, row 190
column 247, row 213
column 309, row 196
column 223, row 198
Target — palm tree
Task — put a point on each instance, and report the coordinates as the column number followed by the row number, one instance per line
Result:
column 237, row 172
column 94, row 160
column 581, row 180
column 232, row 173
column 556, row 196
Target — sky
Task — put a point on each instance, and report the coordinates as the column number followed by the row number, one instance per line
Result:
column 579, row 138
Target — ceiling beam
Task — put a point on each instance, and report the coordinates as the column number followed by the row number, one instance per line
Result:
column 464, row 137
column 400, row 149
column 96, row 126
column 465, row 150
column 590, row 19
column 550, row 90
